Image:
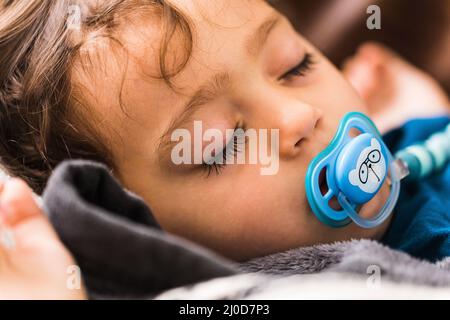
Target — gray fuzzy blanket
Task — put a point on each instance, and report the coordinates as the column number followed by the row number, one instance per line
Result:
column 124, row 254
column 360, row 257
column 358, row 269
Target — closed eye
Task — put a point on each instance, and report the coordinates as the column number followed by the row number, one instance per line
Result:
column 234, row 146
column 301, row 69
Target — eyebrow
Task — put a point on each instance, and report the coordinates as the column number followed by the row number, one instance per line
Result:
column 256, row 40
column 219, row 83
column 206, row 93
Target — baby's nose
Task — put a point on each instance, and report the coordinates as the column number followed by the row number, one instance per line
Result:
column 295, row 124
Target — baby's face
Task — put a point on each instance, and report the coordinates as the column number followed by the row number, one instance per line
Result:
column 266, row 76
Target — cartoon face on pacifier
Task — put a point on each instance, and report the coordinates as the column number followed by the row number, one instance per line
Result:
column 361, row 168
column 370, row 168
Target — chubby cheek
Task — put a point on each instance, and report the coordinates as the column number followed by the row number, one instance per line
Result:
column 241, row 214
column 340, row 95
column 332, row 93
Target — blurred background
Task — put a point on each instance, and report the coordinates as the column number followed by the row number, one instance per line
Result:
column 419, row 30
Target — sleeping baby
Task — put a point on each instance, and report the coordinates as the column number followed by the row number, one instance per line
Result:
column 115, row 84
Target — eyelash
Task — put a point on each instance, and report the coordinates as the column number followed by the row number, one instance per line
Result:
column 301, row 69
column 237, row 144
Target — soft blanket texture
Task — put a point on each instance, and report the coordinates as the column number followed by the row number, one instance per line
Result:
column 123, row 253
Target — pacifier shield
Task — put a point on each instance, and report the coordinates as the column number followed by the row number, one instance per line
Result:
column 356, row 168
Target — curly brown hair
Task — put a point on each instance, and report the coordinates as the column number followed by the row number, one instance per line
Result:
column 39, row 124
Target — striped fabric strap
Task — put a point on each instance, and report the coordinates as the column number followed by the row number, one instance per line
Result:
column 427, row 157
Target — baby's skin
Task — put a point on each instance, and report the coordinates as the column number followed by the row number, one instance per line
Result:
column 35, row 266
column 33, row 262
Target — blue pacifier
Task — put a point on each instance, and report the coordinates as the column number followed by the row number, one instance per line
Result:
column 352, row 170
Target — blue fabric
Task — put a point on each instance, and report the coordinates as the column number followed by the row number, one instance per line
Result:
column 421, row 221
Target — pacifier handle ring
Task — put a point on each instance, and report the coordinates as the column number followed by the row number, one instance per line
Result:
column 379, row 218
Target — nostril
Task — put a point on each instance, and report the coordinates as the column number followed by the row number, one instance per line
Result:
column 318, row 122
column 299, row 142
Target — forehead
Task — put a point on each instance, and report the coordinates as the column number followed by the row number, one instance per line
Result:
column 216, row 26
column 220, row 30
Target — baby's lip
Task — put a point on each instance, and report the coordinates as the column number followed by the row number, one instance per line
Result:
column 323, row 186
column 322, row 182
